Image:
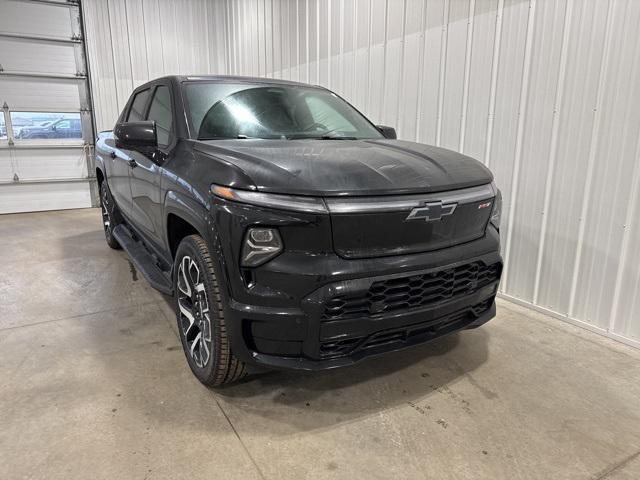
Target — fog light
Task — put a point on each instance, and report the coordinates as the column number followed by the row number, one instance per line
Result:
column 260, row 246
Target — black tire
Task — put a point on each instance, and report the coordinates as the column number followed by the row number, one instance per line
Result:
column 110, row 215
column 212, row 360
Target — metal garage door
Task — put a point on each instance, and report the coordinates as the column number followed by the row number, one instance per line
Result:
column 46, row 132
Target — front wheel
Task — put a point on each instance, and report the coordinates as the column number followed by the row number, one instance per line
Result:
column 200, row 315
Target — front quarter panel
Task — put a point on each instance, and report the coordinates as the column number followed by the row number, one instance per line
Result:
column 185, row 207
column 187, row 179
column 184, row 192
column 102, row 152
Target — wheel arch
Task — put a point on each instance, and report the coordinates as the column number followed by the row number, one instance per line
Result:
column 100, row 176
column 183, row 217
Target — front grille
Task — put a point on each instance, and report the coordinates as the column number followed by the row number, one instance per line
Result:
column 412, row 333
column 404, row 293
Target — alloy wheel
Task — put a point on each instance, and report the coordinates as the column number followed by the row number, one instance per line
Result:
column 106, row 218
column 193, row 306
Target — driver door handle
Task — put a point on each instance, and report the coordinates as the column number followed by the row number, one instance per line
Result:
column 132, row 163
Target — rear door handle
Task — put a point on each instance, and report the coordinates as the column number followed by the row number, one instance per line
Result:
column 132, row 163
column 113, row 154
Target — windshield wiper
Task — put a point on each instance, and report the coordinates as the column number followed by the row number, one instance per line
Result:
column 326, row 135
column 320, row 137
column 335, row 137
column 240, row 137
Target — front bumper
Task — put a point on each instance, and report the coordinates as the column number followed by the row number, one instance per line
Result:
column 283, row 314
column 302, row 337
column 417, row 328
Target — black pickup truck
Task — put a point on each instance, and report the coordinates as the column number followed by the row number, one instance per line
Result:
column 290, row 230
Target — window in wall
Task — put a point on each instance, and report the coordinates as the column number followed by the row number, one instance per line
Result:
column 160, row 112
column 46, row 125
column 3, row 128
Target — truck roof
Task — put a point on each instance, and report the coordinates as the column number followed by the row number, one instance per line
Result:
column 232, row 78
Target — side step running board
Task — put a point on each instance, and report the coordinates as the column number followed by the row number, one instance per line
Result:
column 143, row 260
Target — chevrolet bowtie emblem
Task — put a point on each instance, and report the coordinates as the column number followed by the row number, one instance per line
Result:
column 431, row 212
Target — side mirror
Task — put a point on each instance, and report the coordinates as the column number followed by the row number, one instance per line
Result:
column 134, row 135
column 387, row 132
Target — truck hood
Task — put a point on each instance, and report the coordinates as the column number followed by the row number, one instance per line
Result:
column 347, row 167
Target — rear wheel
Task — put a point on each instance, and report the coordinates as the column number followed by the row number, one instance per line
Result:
column 110, row 215
column 200, row 315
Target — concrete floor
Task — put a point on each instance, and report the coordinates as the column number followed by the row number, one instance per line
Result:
column 94, row 384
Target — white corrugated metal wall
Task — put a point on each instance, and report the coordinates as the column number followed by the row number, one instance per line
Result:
column 131, row 42
column 541, row 91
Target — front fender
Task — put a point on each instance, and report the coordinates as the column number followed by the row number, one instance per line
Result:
column 101, row 151
column 198, row 216
column 188, row 209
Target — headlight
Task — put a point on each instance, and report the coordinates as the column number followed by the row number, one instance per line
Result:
column 260, row 245
column 271, row 200
column 496, row 212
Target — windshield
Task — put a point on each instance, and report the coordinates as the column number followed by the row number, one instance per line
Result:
column 225, row 110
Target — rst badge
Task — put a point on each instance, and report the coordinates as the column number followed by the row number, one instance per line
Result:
column 431, row 211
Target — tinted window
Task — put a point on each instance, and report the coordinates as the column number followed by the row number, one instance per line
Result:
column 136, row 113
column 325, row 114
column 202, row 96
column 221, row 111
column 160, row 112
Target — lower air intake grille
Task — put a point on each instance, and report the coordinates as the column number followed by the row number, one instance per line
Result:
column 412, row 333
column 403, row 293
